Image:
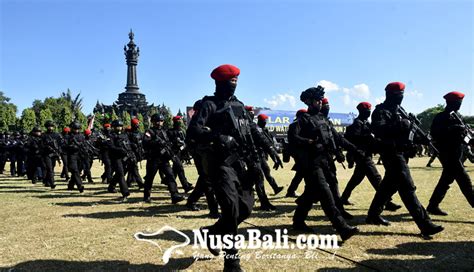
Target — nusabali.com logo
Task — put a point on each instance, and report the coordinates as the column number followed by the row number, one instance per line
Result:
column 253, row 239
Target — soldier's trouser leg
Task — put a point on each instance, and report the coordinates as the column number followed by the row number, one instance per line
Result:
column 20, row 165
column 87, row 169
column 65, row 171
column 48, row 176
column 295, row 182
column 400, row 179
column 432, row 158
column 356, row 179
column 107, row 175
column 151, row 169
column 267, row 172
column 119, row 177
column 165, row 168
column 203, row 186
column 134, row 174
column 257, row 174
column 74, row 168
column 452, row 170
column 318, row 188
column 12, row 164
column 236, row 204
column 178, row 171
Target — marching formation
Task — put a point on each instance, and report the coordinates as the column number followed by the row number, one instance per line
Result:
column 230, row 152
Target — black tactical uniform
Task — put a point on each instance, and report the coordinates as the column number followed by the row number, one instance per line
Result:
column 224, row 125
column 296, row 152
column 20, row 153
column 34, row 164
column 176, row 137
column 392, row 131
column 360, row 134
column 120, row 152
column 91, row 152
column 63, row 141
column 104, row 137
column 264, row 147
column 449, row 133
column 136, row 142
column 3, row 150
column 157, row 146
column 203, row 184
column 75, row 153
column 316, row 138
column 51, row 153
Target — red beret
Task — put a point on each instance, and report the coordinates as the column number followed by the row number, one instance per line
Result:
column 66, row 129
column 395, row 87
column 135, row 121
column 225, row 72
column 248, row 108
column 262, row 117
column 364, row 106
column 128, row 128
column 325, row 101
column 176, row 118
column 453, row 96
column 107, row 125
column 301, row 111
column 87, row 132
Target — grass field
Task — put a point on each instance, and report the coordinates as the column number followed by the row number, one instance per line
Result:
column 59, row 230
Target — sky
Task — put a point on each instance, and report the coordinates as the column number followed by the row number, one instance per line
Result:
column 353, row 48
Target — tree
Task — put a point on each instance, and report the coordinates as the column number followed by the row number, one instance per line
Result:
column 426, row 117
column 75, row 104
column 45, row 115
column 7, row 113
column 65, row 118
column 28, row 120
column 126, row 118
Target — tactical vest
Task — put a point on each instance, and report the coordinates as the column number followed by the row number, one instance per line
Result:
column 317, row 128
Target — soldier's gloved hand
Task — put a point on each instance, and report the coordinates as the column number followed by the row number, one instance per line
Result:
column 340, row 157
column 227, row 142
column 405, row 124
column 458, row 129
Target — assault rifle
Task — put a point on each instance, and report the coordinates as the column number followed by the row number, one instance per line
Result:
column 467, row 129
column 415, row 129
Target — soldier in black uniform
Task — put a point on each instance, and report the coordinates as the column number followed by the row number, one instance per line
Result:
column 316, row 138
column 3, row 150
column 159, row 153
column 295, row 152
column 392, row 131
column 224, row 124
column 120, row 152
column 360, row 134
column 75, row 153
column 63, row 140
column 88, row 157
column 176, row 137
column 449, row 132
column 104, row 137
column 136, row 141
column 20, row 152
column 12, row 154
column 34, row 164
column 51, row 153
column 203, row 184
column 269, row 138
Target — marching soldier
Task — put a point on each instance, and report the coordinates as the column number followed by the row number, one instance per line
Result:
column 34, row 165
column 203, row 184
column 176, row 137
column 159, row 153
column 3, row 150
column 360, row 134
column 449, row 131
column 104, row 137
column 295, row 152
column 20, row 152
column 392, row 131
column 63, row 141
column 136, row 141
column 51, row 153
column 224, row 125
column 88, row 157
column 75, row 154
column 316, row 138
column 120, row 152
column 269, row 138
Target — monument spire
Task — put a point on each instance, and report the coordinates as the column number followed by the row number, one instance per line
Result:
column 131, row 55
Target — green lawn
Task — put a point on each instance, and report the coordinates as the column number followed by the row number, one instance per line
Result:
column 51, row 230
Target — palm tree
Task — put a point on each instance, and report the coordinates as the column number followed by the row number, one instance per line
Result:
column 75, row 104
